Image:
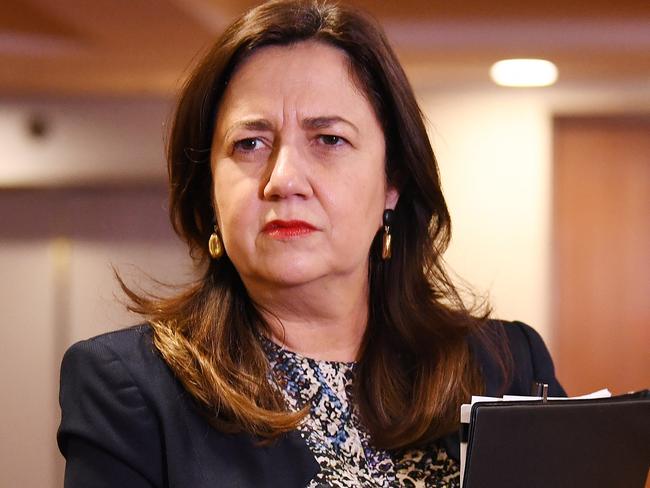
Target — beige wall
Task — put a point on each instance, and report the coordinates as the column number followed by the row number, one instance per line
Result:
column 28, row 378
column 87, row 140
column 57, row 287
column 494, row 156
column 494, row 147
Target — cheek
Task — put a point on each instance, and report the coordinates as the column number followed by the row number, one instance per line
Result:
column 235, row 202
column 357, row 206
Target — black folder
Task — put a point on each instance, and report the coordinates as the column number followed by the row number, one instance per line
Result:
column 559, row 443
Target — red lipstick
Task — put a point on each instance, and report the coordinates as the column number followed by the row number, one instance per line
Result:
column 287, row 229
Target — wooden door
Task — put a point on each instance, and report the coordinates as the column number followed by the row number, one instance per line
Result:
column 601, row 253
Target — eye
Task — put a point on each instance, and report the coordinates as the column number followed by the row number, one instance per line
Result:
column 249, row 144
column 331, row 140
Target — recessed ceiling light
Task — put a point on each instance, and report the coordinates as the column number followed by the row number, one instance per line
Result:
column 524, row 72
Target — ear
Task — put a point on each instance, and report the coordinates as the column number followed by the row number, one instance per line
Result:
column 392, row 195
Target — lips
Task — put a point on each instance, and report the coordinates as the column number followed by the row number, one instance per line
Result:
column 288, row 229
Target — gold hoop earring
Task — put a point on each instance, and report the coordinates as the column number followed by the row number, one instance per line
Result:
column 215, row 246
column 387, row 238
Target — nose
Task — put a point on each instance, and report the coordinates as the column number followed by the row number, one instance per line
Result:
column 287, row 174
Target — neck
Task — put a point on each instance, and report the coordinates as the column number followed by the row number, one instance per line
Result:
column 323, row 320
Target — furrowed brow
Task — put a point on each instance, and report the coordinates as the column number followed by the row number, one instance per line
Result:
column 316, row 123
column 259, row 125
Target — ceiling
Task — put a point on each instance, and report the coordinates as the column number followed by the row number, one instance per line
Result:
column 135, row 47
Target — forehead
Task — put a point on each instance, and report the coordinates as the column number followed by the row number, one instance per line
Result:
column 309, row 78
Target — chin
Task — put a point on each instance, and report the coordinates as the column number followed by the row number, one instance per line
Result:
column 292, row 276
column 293, row 270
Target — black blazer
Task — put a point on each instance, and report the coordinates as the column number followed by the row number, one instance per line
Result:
column 128, row 423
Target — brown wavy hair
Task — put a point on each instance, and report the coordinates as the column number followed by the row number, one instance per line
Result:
column 414, row 366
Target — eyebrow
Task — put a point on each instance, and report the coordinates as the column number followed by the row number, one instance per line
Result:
column 325, row 122
column 310, row 123
column 260, row 125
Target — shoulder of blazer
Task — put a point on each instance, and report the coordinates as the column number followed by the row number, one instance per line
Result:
column 127, row 419
column 106, row 417
column 524, row 353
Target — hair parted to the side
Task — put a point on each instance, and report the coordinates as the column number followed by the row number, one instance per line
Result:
column 415, row 367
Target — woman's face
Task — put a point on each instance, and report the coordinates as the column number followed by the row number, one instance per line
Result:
column 298, row 165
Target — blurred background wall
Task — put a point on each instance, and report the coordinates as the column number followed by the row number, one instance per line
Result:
column 86, row 89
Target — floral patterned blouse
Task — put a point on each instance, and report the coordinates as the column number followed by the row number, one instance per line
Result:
column 336, row 437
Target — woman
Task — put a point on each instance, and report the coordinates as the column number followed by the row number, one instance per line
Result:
column 324, row 345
